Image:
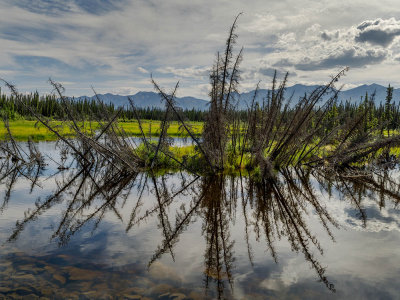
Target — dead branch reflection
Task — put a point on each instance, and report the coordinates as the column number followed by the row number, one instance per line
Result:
column 274, row 207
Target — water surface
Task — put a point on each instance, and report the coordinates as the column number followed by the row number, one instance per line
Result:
column 178, row 236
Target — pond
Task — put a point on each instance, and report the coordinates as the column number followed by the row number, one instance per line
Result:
column 309, row 235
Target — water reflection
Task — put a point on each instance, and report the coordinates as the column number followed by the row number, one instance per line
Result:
column 272, row 208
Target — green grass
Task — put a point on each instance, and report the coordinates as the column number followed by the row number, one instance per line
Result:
column 153, row 127
column 22, row 130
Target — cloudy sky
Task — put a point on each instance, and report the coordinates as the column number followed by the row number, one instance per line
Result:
column 114, row 45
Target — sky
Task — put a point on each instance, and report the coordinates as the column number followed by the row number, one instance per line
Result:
column 115, row 45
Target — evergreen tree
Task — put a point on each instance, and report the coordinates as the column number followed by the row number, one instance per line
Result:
column 388, row 117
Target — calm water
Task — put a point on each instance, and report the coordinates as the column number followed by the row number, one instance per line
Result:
column 178, row 236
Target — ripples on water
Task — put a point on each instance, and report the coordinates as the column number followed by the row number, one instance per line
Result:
column 178, row 236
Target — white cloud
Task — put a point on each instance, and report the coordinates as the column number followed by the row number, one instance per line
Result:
column 378, row 32
column 193, row 71
column 142, row 70
column 179, row 39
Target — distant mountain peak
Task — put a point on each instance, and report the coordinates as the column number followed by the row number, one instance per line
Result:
column 146, row 99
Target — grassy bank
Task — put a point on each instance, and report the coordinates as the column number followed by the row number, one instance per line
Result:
column 235, row 164
column 22, row 130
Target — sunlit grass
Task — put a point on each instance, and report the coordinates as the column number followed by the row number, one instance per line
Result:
column 152, row 128
column 22, row 130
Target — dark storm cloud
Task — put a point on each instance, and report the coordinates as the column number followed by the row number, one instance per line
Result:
column 55, row 7
column 349, row 57
column 378, row 32
column 376, row 36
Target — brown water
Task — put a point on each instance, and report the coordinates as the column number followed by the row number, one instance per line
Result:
column 178, row 236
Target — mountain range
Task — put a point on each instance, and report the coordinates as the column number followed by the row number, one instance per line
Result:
column 151, row 99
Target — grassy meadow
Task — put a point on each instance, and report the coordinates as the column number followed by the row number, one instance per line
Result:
column 22, row 130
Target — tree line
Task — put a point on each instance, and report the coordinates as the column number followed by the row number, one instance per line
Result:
column 50, row 106
column 387, row 113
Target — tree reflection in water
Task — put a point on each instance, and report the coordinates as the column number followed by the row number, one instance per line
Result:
column 274, row 207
